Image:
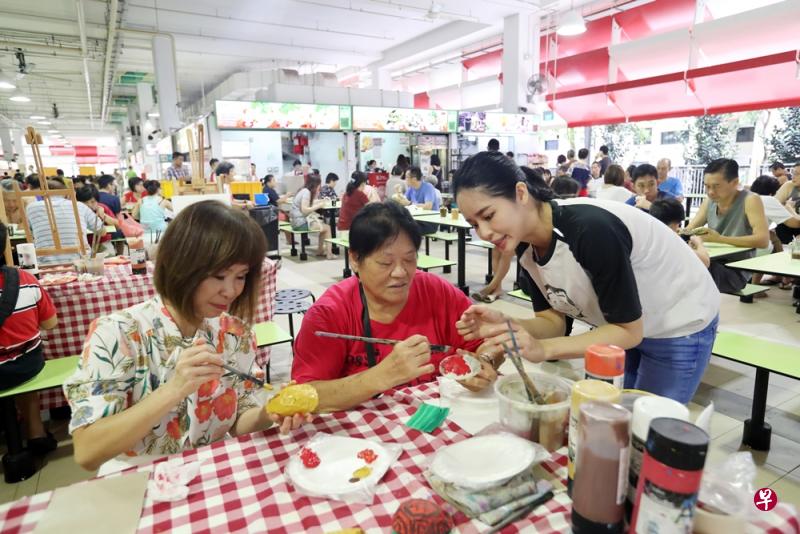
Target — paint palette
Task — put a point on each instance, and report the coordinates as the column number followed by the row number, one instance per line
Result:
column 346, row 466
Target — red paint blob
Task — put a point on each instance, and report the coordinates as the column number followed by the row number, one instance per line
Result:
column 456, row 365
column 368, row 455
column 309, row 458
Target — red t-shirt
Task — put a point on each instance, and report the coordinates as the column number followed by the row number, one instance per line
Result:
column 434, row 305
column 20, row 332
column 350, row 206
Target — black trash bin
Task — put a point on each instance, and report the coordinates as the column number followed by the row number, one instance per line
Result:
column 267, row 219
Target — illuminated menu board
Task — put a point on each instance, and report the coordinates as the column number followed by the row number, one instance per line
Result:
column 478, row 122
column 404, row 120
column 281, row 116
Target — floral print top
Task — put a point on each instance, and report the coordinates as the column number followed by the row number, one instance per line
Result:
column 129, row 354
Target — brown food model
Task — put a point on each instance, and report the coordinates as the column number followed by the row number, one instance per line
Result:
column 295, row 399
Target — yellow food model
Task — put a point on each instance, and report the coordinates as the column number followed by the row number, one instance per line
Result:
column 294, row 399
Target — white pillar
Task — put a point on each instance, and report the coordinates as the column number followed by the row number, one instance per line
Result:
column 516, row 64
column 166, row 82
column 381, row 78
column 5, row 142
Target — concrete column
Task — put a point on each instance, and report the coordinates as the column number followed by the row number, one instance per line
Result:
column 517, row 65
column 381, row 78
column 166, row 82
column 5, row 142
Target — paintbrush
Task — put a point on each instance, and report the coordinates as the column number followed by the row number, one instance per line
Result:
column 516, row 359
column 245, row 376
column 378, row 340
column 521, row 513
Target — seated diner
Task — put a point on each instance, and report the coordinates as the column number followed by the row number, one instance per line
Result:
column 150, row 380
column 388, row 298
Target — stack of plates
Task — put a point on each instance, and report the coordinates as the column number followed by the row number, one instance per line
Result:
column 484, row 462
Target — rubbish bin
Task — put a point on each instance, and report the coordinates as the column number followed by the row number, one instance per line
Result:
column 267, row 219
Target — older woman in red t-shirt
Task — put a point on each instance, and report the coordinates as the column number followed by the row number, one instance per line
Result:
column 388, row 299
column 353, row 200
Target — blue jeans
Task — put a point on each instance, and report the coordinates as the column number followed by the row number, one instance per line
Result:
column 670, row 367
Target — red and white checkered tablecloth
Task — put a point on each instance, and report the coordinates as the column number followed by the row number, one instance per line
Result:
column 242, row 488
column 78, row 304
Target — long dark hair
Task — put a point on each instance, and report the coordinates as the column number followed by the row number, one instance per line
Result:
column 312, row 184
column 497, row 175
column 356, row 179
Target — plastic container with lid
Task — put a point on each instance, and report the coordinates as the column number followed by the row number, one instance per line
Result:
column 666, row 495
column 645, row 409
column 605, row 363
column 585, row 391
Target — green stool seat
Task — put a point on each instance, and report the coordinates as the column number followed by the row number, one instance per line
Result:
column 54, row 373
column 520, row 294
column 424, row 263
column 447, row 238
column 18, row 462
column 269, row 333
column 747, row 293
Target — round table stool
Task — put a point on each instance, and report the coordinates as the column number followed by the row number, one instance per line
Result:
column 294, row 294
column 290, row 307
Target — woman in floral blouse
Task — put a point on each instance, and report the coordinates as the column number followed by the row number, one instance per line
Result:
column 150, row 380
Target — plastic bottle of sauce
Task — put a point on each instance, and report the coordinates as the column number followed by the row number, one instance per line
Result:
column 585, row 391
column 601, row 469
column 675, row 453
column 606, row 363
column 645, row 409
column 138, row 256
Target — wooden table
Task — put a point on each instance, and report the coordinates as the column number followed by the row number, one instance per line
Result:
column 462, row 227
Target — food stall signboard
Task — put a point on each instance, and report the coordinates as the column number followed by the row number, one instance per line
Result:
column 373, row 119
column 477, row 122
column 235, row 115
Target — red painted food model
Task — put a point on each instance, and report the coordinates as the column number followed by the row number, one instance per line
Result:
column 309, row 458
column 456, row 365
column 368, row 455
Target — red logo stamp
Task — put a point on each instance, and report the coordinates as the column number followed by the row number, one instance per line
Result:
column 765, row 499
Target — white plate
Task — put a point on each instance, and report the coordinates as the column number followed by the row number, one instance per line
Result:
column 452, row 390
column 338, row 460
column 484, row 461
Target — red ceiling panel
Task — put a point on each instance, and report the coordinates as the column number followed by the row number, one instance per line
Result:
column 737, row 86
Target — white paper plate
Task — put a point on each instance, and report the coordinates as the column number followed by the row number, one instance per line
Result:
column 338, row 461
column 484, row 461
column 450, row 389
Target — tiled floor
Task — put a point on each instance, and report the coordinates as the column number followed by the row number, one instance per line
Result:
column 729, row 384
